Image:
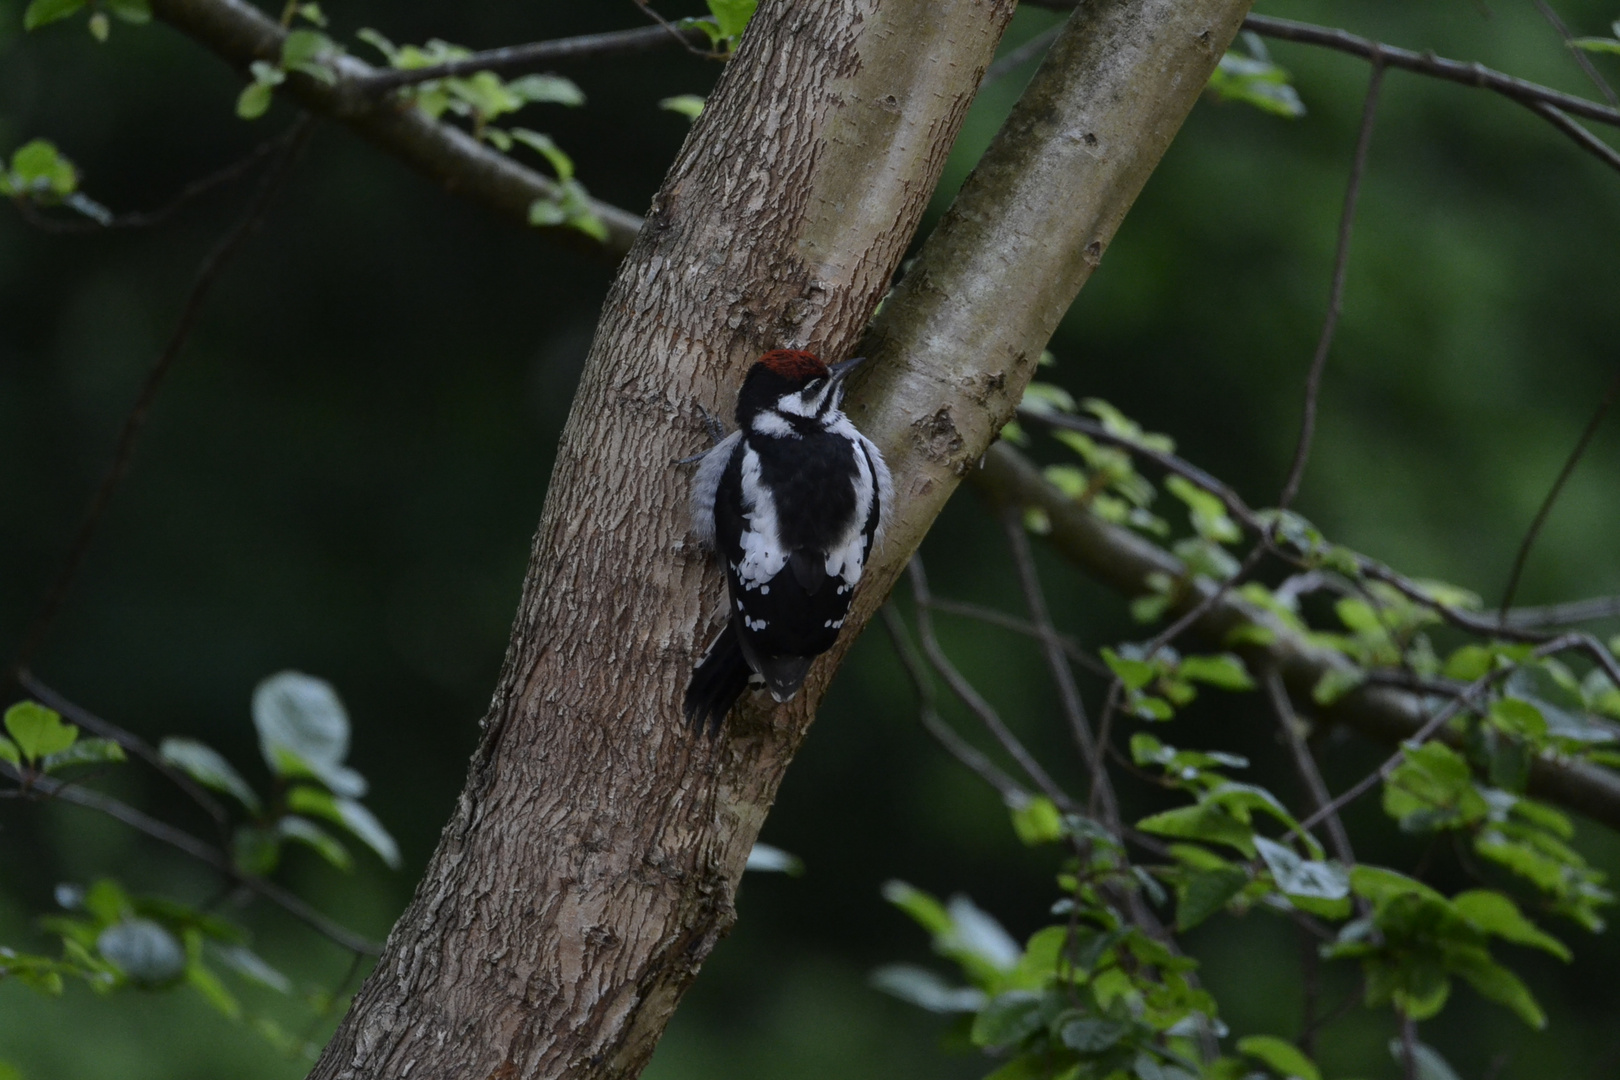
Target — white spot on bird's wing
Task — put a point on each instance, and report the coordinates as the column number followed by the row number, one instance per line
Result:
column 763, row 553
column 764, row 590
column 755, row 625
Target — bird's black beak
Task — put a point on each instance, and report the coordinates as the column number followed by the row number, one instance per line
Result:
column 842, row 371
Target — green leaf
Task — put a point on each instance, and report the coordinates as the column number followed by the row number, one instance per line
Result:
column 206, row 983
column 1379, row 885
column 9, row 752
column 253, row 967
column 100, row 26
column 304, row 731
column 1046, row 398
column 1597, row 45
column 377, row 41
column 254, row 101
column 1468, row 663
column 39, row 732
column 926, row 990
column 1258, row 83
column 1281, row 1055
column 1337, row 682
column 1135, row 674
column 1300, row 877
column 691, row 107
column 926, row 911
column 1092, row 1035
column 1496, row 982
column 1494, row 913
column 560, row 163
column 256, row 851
column 731, row 16
column 1037, row 821
column 1204, row 893
column 355, row 818
column 209, row 768
column 320, row 841
column 302, row 47
column 138, row 12
column 1008, row 1019
column 1225, row 671
column 40, row 12
column 143, row 950
column 1430, row 1065
column 85, row 752
column 1201, row 822
column 763, row 858
column 547, row 89
column 1208, row 513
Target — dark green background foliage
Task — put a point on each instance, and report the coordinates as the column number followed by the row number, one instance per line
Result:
column 343, row 475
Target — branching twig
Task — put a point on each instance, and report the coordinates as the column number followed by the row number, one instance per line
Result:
column 517, row 58
column 1574, row 611
column 1074, row 711
column 145, row 219
column 131, row 742
column 1305, row 763
column 290, row 144
column 1575, row 455
column 959, row 748
column 1426, row 63
column 204, row 853
column 1579, row 55
column 991, row 616
column 1341, row 264
column 970, row 697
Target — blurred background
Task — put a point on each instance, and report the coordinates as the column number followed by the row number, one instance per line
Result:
column 343, row 473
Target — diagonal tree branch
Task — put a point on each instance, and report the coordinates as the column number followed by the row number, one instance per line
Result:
column 239, row 34
column 1124, row 562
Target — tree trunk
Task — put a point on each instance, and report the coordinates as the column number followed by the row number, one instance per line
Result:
column 591, row 862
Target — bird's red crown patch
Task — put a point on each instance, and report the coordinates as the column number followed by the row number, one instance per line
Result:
column 795, row 364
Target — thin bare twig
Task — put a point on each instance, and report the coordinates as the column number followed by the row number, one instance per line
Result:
column 1018, row 57
column 1074, row 710
column 131, row 742
column 145, row 219
column 292, row 142
column 1426, row 63
column 204, row 853
column 992, row 617
column 1578, row 54
column 1574, row 611
column 1305, row 763
column 1584, row 138
column 970, row 697
column 1557, row 488
column 1341, row 264
column 529, row 57
column 942, row 733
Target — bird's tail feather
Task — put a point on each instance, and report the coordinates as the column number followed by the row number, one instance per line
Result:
column 717, row 682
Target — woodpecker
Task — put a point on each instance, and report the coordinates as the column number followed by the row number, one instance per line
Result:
column 792, row 503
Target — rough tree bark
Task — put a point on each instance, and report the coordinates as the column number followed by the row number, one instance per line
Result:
column 592, row 859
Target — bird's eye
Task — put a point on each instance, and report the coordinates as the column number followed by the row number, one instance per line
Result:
column 812, row 386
